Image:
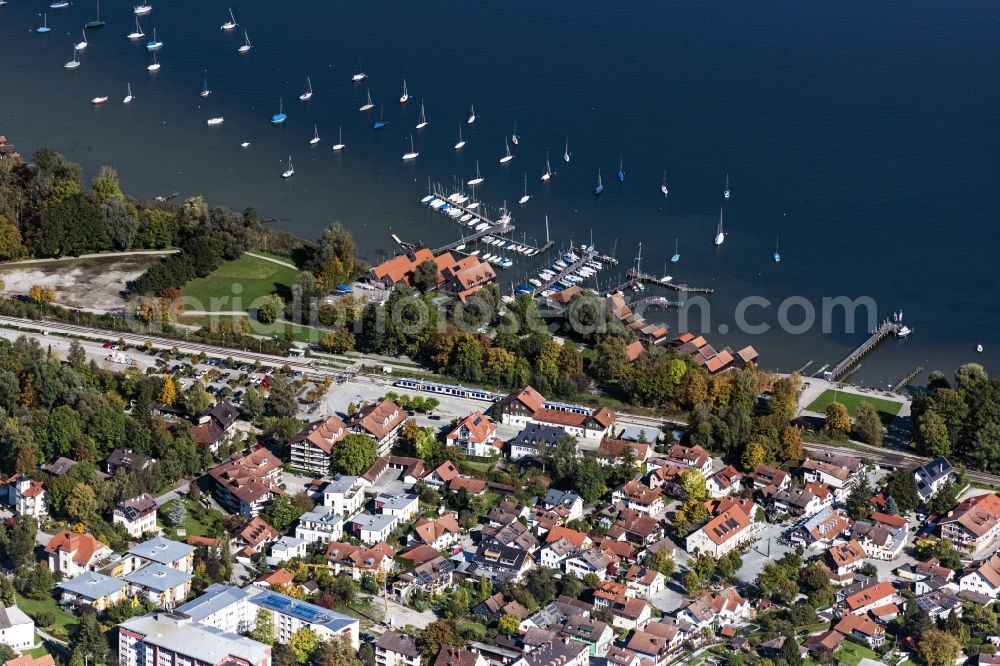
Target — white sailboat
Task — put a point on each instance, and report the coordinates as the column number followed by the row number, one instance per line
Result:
column 155, row 66
column 663, row 185
column 137, row 33
column 508, row 157
column 566, row 152
column 368, row 105
column 720, row 235
column 290, row 171
column 142, row 9
column 205, row 92
column 74, row 63
column 777, row 255
column 405, row 97
column 677, row 255
column 340, row 140
column 82, row 45
column 548, row 168
column 313, row 141
column 423, row 117
column 231, row 23
column 412, row 155
column 128, row 97
column 212, row 122
column 307, row 95
column 246, row 43
column 726, row 192
column 479, row 178
column 359, row 74
column 514, row 138
column 472, row 115
column 461, row 141
column 523, row 200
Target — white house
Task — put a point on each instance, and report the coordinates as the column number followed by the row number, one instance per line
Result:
column 724, row 482
column 285, row 549
column 396, row 649
column 933, row 476
column 345, row 495
column 138, row 515
column 371, row 528
column 404, row 507
column 321, row 525
column 729, row 530
column 476, row 435
column 984, row 579
column 72, row 554
column 25, row 496
column 565, row 498
column 16, row 629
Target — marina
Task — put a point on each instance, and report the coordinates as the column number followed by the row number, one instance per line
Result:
column 841, row 370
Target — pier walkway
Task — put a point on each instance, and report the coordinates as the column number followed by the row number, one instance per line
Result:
column 634, row 276
column 569, row 270
column 885, row 330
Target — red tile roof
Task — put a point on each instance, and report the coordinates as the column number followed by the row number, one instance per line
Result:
column 379, row 419
column 81, row 546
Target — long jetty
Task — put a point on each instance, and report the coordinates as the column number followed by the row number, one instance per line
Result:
column 569, row 270
column 885, row 330
column 635, row 276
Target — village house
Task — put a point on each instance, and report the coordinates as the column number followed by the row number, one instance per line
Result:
column 560, row 652
column 245, row 484
column 974, row 523
column 843, row 560
column 138, row 515
column 453, row 656
column 821, row 529
column 795, row 502
column 439, row 533
column 528, row 406
column 863, row 628
column 533, row 438
column 255, row 536
column 500, row 563
column 724, row 482
column 92, row 589
column 691, row 457
column 359, row 560
column 630, row 613
column 72, row 554
column 933, row 476
column 591, row 561
column 715, row 610
column 566, row 499
column 639, row 497
column 159, row 550
column 597, row 635
column 475, row 435
column 344, row 495
column 869, row 599
column 644, row 582
column 765, row 476
column 312, row 447
column 396, row 649
column 286, row 548
column 728, row 530
column 160, row 585
column 883, row 536
column 127, row 459
column 216, row 425
column 609, row 451
column 431, row 577
column 25, row 496
column 381, row 421
column 982, row 578
column 839, row 472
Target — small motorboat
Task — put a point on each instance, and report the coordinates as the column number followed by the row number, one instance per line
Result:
column 98, row 101
column 979, row 349
column 211, row 122
column 245, row 144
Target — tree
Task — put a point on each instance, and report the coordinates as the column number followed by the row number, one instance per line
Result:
column 901, row 486
column 119, row 222
column 174, row 512
column 508, row 624
column 693, row 485
column 263, row 627
column 253, row 404
column 41, row 293
column 891, row 507
column 436, row 635
column 168, row 392
column 425, row 276
column 338, row 342
column 281, row 399
column 932, row 434
column 662, row 562
column 611, row 363
column 7, row 594
column 563, row 458
column 791, row 444
column 789, row 653
column 944, row 499
column 269, row 309
column 196, row 399
column 40, row 582
column 588, row 481
column 753, row 455
column 939, row 648
column 303, row 643
column 81, row 504
column 838, row 419
column 868, row 425
column 281, row 513
column 336, row 651
column 729, row 564
column 859, row 502
column 354, row 454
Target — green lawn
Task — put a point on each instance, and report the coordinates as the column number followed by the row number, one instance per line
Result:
column 251, row 276
column 887, row 408
column 39, row 651
column 473, row 627
column 64, row 619
column 852, row 653
column 299, row 333
column 198, row 521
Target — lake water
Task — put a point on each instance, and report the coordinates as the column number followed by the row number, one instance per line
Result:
column 864, row 135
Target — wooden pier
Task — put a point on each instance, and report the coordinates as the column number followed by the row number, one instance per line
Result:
column 634, row 276
column 885, row 330
column 569, row 270
column 898, row 388
column 654, row 300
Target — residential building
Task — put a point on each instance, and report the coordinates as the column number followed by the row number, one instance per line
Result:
column 591, row 561
column 92, row 589
column 795, row 502
column 630, row 613
column 500, row 562
column 560, row 652
column 566, row 499
column 17, row 630
column 138, row 515
column 528, row 406
column 974, row 523
column 381, row 421
column 869, row 598
column 933, row 476
column 724, row 482
column 863, row 628
column 765, row 475
column 432, row 577
column 172, row 638
column 286, row 548
column 72, row 554
column 728, row 530
column 358, row 560
column 312, row 447
column 402, row 506
column 883, row 536
column 245, row 484
column 371, row 528
column 844, row 559
column 609, row 451
column 216, row 425
column 475, row 435
column 982, row 578
column 127, row 459
column 345, row 495
column 595, row 634
column 161, row 585
column 533, row 438
column 254, row 538
column 464, row 277
column 714, row 610
column 159, row 550
column 639, row 497
column 839, row 472
column 691, row 457
column 453, row 656
column 644, row 582
column 321, row 525
column 438, row 533
column 820, row 529
column 24, row 496
column 396, row 649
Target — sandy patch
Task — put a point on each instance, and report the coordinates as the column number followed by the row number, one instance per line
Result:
column 94, row 284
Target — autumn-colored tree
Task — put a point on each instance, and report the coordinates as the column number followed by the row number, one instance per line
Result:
column 168, row 392
column 838, row 419
column 42, row 293
column 791, row 443
column 508, row 624
column 939, row 648
column 693, row 485
column 753, row 455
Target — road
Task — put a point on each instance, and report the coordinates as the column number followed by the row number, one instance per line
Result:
column 97, row 255
column 892, row 458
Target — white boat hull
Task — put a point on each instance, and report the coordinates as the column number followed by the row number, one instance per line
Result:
column 80, row 46
column 338, row 146
column 366, row 107
column 72, row 64
column 305, row 97
column 243, row 49
column 421, row 125
column 136, row 35
column 154, row 67
column 476, row 181
column 288, row 174
column 523, row 200
column 128, row 100
column 459, row 145
column 214, row 121
column 360, row 76
column 410, row 156
column 506, row 158
column 471, row 120
column 720, row 239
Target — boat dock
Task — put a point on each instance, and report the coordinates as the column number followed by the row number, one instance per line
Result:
column 654, row 300
column 885, row 330
column 634, row 276
column 566, row 272
column 904, row 382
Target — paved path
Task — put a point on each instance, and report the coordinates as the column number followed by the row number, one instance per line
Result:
column 96, row 255
column 272, row 260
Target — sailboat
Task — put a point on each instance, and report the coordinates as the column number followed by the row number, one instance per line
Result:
column 523, row 200
column 720, row 235
column 548, row 168
column 44, row 27
column 479, row 178
column 621, row 170
column 726, row 192
column 777, row 256
column 513, row 136
column 508, row 157
column 97, row 22
column 380, row 123
column 423, row 117
column 290, row 171
column 246, row 43
column 98, row 101
column 566, row 152
column 142, row 9
column 340, row 140
column 472, row 115
column 74, row 63
column 205, row 92
column 58, row 4
column 367, row 106
column 412, row 155
column 82, row 45
column 600, row 185
column 137, row 33
column 405, row 97
column 231, row 23
column 677, row 255
column 212, row 122
column 313, row 141
column 461, row 141
column 666, row 276
column 308, row 94
column 155, row 66
column 663, row 186
column 280, row 116
column 154, row 43
column 359, row 75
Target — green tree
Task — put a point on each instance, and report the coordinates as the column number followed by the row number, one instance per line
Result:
column 263, row 628
column 789, row 653
column 303, row 643
column 838, row 419
column 40, row 582
column 354, row 454
column 252, row 404
column 196, row 399
column 7, row 594
column 281, row 399
column 270, row 309
column 944, row 499
column 859, row 502
column 81, row 505
column 436, row 635
column 281, row 513
column 174, row 512
column 508, row 625
column 902, row 487
column 588, row 481
column 336, row 651
column 791, row 444
column 729, row 564
column 938, row 648
column 933, row 438
column 662, row 562
column 425, row 275
column 753, row 455
column 693, row 485
column 868, row 425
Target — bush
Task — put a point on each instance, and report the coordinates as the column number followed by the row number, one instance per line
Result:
column 44, row 618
